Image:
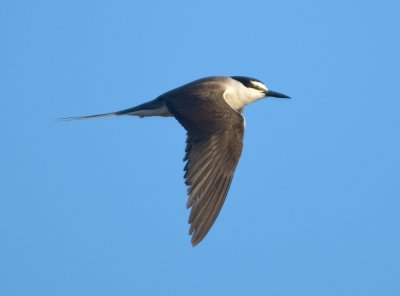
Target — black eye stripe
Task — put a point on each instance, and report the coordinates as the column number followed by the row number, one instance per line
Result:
column 257, row 87
column 247, row 81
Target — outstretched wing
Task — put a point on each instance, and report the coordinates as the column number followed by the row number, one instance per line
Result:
column 214, row 145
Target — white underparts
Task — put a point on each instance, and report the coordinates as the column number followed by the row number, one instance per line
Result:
column 162, row 111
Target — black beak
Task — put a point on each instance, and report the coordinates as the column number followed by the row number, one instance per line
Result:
column 275, row 94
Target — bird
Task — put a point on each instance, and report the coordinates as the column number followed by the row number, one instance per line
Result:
column 210, row 109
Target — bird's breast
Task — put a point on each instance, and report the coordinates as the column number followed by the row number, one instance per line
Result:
column 237, row 95
column 233, row 100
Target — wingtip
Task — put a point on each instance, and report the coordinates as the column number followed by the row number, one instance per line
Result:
column 195, row 243
column 196, row 239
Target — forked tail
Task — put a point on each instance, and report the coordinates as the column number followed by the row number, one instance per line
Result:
column 89, row 116
column 153, row 108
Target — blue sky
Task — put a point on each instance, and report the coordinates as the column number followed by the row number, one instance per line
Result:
column 98, row 207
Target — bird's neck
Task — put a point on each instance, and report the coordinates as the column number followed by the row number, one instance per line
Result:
column 241, row 97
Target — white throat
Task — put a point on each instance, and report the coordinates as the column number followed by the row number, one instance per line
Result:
column 238, row 96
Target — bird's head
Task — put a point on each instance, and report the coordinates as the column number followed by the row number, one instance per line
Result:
column 258, row 88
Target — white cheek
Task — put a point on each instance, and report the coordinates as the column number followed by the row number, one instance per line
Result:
column 261, row 95
column 255, row 95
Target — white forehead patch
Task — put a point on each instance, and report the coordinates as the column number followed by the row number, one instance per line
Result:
column 259, row 85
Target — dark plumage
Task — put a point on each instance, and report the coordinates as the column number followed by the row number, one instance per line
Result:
column 210, row 111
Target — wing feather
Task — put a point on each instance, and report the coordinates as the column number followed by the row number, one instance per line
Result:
column 213, row 148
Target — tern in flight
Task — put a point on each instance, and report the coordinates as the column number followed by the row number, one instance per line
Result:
column 210, row 109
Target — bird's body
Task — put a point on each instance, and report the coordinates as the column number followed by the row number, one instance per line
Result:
column 210, row 111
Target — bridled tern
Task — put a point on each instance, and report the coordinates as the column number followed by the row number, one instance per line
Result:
column 210, row 109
